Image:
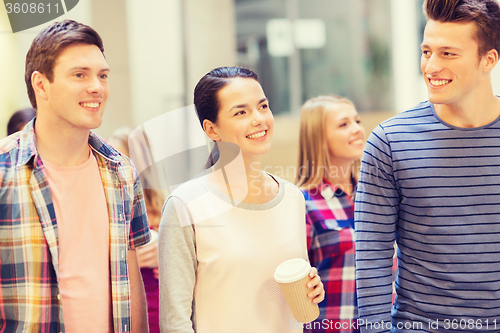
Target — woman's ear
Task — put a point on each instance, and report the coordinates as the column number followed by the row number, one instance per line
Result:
column 211, row 130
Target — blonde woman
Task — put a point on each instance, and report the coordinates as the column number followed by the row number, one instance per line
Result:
column 331, row 145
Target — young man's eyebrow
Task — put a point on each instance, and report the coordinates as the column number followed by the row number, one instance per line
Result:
column 442, row 48
column 83, row 68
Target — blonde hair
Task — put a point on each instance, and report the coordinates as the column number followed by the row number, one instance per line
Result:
column 314, row 162
column 153, row 198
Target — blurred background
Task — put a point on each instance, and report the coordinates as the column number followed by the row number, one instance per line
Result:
column 365, row 50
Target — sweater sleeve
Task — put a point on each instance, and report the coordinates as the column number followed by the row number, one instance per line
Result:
column 177, row 268
column 376, row 214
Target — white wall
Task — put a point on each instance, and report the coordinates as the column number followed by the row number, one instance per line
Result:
column 156, row 63
column 409, row 86
column 210, row 38
column 495, row 80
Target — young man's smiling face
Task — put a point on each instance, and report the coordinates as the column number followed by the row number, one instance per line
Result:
column 450, row 63
column 77, row 96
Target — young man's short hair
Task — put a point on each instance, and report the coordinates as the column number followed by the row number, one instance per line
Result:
column 484, row 13
column 48, row 45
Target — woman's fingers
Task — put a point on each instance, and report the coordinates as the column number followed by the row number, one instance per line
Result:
column 318, row 292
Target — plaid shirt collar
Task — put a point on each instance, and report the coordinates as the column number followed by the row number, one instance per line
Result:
column 28, row 148
column 328, row 191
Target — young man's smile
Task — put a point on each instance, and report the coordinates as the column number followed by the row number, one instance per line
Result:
column 450, row 63
column 79, row 89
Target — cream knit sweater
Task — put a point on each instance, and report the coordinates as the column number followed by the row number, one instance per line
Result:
column 217, row 260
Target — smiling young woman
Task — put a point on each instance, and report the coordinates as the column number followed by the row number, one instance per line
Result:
column 331, row 145
column 223, row 234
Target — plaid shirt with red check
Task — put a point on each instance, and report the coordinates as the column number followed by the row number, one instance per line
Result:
column 29, row 292
column 331, row 249
column 330, row 243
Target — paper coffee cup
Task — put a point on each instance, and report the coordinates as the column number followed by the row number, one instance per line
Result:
column 292, row 277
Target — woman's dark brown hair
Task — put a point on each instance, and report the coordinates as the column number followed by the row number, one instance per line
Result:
column 206, row 100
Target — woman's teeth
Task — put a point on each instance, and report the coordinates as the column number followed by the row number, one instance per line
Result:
column 357, row 142
column 256, row 135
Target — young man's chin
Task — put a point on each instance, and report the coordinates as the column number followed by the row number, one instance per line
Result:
column 437, row 99
column 91, row 124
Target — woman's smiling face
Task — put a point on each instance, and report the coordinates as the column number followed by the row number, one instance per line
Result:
column 244, row 117
column 344, row 134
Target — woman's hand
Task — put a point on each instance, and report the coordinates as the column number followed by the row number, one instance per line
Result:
column 318, row 293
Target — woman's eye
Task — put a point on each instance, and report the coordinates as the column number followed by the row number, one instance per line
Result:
column 343, row 125
column 79, row 75
column 239, row 112
column 264, row 106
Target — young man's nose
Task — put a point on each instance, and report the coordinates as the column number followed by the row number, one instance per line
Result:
column 432, row 65
column 95, row 86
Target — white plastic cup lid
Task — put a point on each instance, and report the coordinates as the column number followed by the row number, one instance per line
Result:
column 292, row 270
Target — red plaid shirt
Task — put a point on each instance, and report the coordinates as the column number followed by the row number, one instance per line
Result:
column 330, row 243
column 331, row 249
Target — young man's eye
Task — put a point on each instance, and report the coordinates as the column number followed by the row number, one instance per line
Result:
column 264, row 106
column 79, row 75
column 104, row 76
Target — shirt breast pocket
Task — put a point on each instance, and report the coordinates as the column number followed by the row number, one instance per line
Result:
column 334, row 236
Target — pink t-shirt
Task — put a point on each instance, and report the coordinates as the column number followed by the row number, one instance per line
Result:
column 83, row 234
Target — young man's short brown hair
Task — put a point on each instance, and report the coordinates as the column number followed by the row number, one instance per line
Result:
column 48, row 45
column 484, row 13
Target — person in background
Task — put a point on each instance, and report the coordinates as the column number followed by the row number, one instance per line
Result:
column 72, row 211
column 223, row 234
column 330, row 148
column 429, row 181
column 124, row 140
column 19, row 119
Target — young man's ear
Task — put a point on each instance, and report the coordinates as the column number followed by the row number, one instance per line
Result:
column 490, row 59
column 39, row 82
column 211, row 130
